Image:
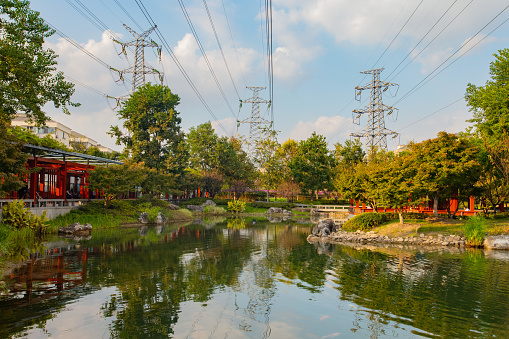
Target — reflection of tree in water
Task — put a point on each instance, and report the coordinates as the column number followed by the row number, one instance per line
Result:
column 236, row 223
column 447, row 298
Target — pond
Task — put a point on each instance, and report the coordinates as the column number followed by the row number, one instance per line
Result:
column 239, row 279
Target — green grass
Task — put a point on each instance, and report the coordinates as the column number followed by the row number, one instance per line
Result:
column 250, row 209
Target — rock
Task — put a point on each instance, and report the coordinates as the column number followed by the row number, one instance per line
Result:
column 274, row 219
column 275, row 210
column 497, row 242
column 173, row 207
column 76, row 228
column 324, row 224
column 286, row 212
column 143, row 218
column 195, row 208
column 161, row 218
column 209, row 203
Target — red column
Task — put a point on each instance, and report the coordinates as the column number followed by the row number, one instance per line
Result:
column 471, row 203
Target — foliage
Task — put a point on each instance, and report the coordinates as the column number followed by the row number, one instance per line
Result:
column 202, row 141
column 222, row 202
column 367, row 221
column 262, row 204
column 12, row 161
column 114, row 180
column 490, row 103
column 267, row 160
column 14, row 214
column 349, row 154
column 157, row 182
column 312, row 166
column 475, row 230
column 27, row 70
column 288, row 189
column 444, row 165
column 236, row 206
column 214, row 210
column 30, row 137
column 193, row 201
column 153, row 125
column 286, row 152
column 212, row 182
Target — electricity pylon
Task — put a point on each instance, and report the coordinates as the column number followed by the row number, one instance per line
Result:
column 375, row 133
column 139, row 68
column 255, row 121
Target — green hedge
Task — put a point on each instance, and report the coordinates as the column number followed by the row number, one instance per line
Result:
column 267, row 205
column 367, row 221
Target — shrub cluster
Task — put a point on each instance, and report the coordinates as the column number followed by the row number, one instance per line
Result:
column 236, row 206
column 475, row 229
column 260, row 204
column 367, row 221
column 15, row 215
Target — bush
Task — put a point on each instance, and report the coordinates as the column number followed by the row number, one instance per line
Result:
column 222, row 202
column 367, row 221
column 260, row 204
column 413, row 215
column 15, row 215
column 214, row 210
column 475, row 230
column 236, row 206
column 193, row 201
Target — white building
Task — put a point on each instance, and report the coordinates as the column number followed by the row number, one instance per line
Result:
column 59, row 132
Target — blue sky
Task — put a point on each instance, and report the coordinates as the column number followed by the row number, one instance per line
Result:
column 320, row 47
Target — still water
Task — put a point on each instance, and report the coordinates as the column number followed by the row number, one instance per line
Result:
column 236, row 279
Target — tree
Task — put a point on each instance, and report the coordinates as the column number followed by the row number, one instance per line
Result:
column 490, row 103
column 212, row 182
column 312, row 166
column 27, row 71
column 153, row 125
column 202, row 141
column 349, row 154
column 267, row 160
column 444, row 165
column 114, row 180
column 12, row 160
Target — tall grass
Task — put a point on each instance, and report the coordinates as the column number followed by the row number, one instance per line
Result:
column 475, row 230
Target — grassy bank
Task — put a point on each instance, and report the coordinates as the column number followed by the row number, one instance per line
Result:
column 118, row 212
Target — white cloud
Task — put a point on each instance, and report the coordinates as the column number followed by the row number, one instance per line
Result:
column 326, row 126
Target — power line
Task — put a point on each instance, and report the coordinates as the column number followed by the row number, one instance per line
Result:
column 220, row 48
column 195, row 34
column 406, row 22
column 414, row 89
column 425, row 35
column 436, row 36
column 233, row 42
column 427, row 116
column 128, row 15
column 178, row 64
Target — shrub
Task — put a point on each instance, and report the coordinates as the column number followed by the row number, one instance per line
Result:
column 413, row 215
column 214, row 210
column 15, row 215
column 367, row 221
column 475, row 230
column 193, row 201
column 236, row 206
column 222, row 202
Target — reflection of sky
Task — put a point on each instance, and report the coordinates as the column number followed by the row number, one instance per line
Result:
column 82, row 318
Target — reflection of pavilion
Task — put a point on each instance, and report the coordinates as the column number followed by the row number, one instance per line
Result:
column 44, row 276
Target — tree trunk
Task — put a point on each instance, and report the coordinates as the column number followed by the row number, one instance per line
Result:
column 435, row 205
column 401, row 221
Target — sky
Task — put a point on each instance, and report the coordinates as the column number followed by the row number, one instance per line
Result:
column 430, row 51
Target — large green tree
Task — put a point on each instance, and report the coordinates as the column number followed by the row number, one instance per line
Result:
column 154, row 135
column 28, row 76
column 490, row 103
column 312, row 166
column 202, row 141
column 444, row 165
column 12, row 160
column 268, row 162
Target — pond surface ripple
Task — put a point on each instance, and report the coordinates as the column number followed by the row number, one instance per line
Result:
column 250, row 281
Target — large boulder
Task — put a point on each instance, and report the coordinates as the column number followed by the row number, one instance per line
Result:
column 324, row 228
column 286, row 212
column 274, row 210
column 161, row 219
column 195, row 208
column 497, row 242
column 143, row 218
column 76, row 228
column 209, row 203
column 173, row 207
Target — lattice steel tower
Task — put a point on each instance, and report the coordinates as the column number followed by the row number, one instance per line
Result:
column 375, row 133
column 255, row 121
column 139, row 68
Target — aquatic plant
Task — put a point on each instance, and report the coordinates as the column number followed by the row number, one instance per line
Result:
column 475, row 230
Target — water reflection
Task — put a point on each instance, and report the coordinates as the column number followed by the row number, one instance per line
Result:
column 241, row 280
